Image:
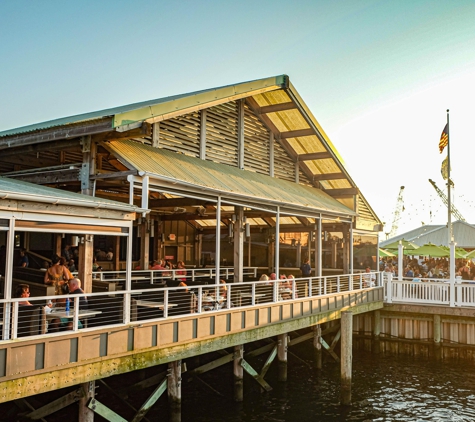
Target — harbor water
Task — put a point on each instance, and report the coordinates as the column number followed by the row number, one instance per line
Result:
column 384, row 388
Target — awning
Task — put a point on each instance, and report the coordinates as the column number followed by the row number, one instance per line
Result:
column 230, row 182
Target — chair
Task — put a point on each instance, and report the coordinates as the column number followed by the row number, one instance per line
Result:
column 31, row 321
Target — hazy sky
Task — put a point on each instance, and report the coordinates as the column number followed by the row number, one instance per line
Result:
column 377, row 75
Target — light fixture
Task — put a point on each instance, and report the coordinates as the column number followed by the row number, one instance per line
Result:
column 248, row 230
column 231, row 230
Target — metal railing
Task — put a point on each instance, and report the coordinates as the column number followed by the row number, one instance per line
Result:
column 121, row 307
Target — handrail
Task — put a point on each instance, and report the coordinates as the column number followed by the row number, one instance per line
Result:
column 123, row 307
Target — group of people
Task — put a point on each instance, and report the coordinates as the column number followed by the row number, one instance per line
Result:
column 425, row 268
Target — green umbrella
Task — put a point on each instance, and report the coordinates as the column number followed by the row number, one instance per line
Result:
column 429, row 249
column 459, row 252
column 470, row 255
column 383, row 253
column 406, row 243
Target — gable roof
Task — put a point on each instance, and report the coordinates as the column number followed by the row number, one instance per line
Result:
column 464, row 235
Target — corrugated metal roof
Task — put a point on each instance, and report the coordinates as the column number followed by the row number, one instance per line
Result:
column 226, row 180
column 19, row 190
column 464, row 235
column 144, row 110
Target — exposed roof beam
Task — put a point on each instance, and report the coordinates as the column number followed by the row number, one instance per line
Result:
column 40, row 177
column 144, row 130
column 329, row 176
column 177, row 202
column 49, row 146
column 114, row 175
column 314, row 156
column 277, row 107
column 340, row 193
column 56, row 133
column 297, row 133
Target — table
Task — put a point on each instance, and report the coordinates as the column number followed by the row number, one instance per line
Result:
column 152, row 304
column 62, row 313
column 212, row 303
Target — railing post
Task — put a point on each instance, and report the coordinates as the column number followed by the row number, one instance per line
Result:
column 165, row 303
column 324, row 285
column 275, row 291
column 389, row 289
column 200, row 300
column 76, row 313
column 350, row 282
column 310, row 293
column 253, row 294
column 338, row 284
column 127, row 305
column 192, row 274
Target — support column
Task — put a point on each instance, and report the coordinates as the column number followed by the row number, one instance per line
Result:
column 86, row 414
column 437, row 337
column 238, row 245
column 86, row 254
column 238, row 373
column 282, row 344
column 317, row 344
column 346, row 356
column 377, row 332
column 144, row 244
column 116, row 259
column 174, row 390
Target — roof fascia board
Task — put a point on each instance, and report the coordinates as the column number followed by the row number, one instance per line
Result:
column 194, row 102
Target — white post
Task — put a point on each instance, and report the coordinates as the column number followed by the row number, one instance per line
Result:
column 452, row 273
column 400, row 257
column 389, row 289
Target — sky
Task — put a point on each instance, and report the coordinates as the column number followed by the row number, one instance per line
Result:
column 377, row 75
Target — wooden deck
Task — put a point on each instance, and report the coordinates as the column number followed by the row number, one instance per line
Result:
column 39, row 364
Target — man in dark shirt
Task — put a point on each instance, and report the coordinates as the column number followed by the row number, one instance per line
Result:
column 24, row 261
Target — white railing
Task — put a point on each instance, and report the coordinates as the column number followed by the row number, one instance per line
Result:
column 116, row 308
column 429, row 291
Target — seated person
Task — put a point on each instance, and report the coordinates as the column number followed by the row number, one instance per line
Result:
column 74, row 289
column 368, row 278
column 156, row 265
column 23, row 290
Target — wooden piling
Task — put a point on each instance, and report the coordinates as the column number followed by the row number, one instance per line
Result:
column 317, row 344
column 437, row 337
column 282, row 340
column 377, row 332
column 174, row 390
column 346, row 356
column 85, row 413
column 238, row 373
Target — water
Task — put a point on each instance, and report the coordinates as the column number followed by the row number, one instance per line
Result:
column 384, row 388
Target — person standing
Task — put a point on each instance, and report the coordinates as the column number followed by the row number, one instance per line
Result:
column 24, row 261
column 306, row 268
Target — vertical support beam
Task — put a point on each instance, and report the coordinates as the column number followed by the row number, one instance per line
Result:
column 174, row 390
column 144, row 243
column 156, row 134
column 271, row 154
column 317, row 344
column 282, row 345
column 86, row 165
column 270, row 252
column 240, row 124
column 86, row 414
column 377, row 332
column 318, row 254
column 334, row 254
column 128, row 268
column 437, row 337
column 238, row 244
column 346, row 264
column 116, row 253
column 277, row 243
column 7, row 308
column 351, row 247
column 346, row 356
column 203, row 134
column 86, row 254
column 218, row 240
column 57, row 244
column 238, row 372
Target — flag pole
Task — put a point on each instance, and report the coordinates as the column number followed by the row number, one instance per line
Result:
column 449, row 183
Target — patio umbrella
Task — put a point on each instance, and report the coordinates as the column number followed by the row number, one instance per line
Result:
column 429, row 249
column 406, row 243
column 470, row 255
column 459, row 252
column 383, row 253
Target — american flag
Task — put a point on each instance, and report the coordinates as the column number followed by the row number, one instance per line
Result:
column 444, row 138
